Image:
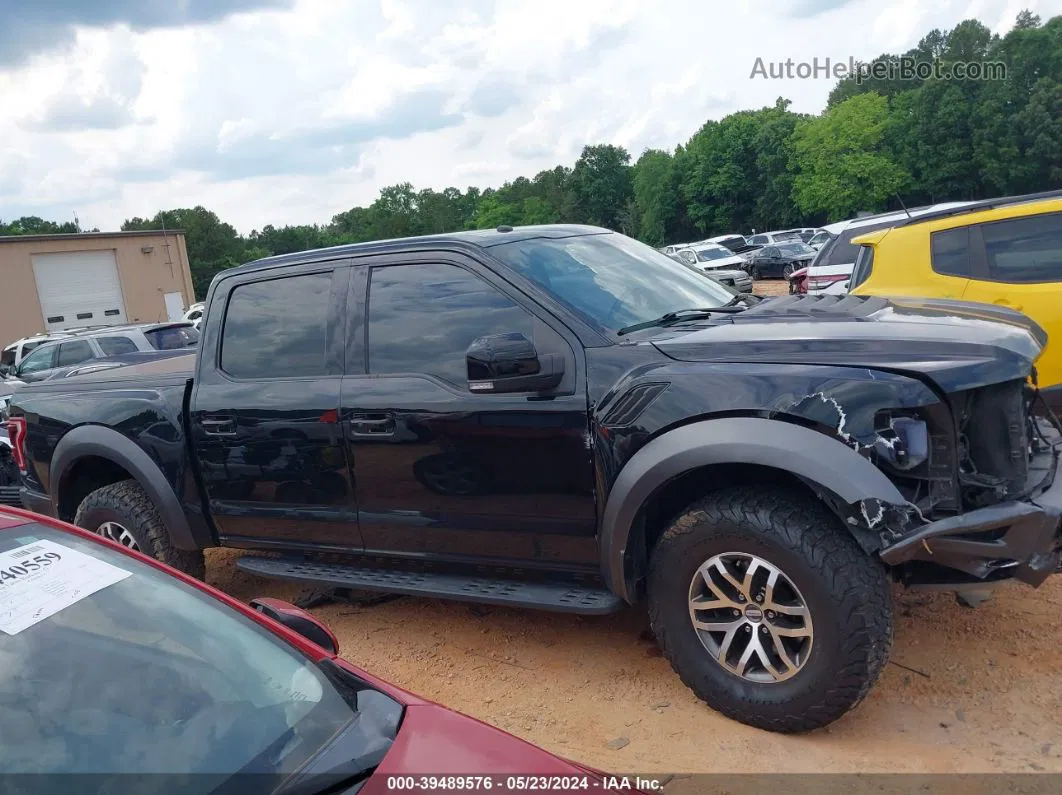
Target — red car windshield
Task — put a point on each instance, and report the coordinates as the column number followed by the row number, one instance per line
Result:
column 108, row 665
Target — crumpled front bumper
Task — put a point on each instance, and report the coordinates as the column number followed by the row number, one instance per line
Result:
column 1021, row 538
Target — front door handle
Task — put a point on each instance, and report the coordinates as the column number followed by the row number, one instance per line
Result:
column 373, row 425
column 218, row 424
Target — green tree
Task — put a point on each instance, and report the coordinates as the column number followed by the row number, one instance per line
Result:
column 656, row 196
column 492, row 212
column 601, row 184
column 736, row 174
column 841, row 163
column 212, row 244
column 32, row 225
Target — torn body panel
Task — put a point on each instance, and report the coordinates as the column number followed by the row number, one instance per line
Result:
column 1020, row 539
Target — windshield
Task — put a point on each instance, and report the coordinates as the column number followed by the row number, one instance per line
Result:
column 781, row 236
column 143, row 673
column 610, row 280
column 707, row 254
column 796, row 248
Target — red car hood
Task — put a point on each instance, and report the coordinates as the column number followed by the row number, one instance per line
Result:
column 435, row 741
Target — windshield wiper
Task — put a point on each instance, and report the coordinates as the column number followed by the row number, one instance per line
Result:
column 681, row 315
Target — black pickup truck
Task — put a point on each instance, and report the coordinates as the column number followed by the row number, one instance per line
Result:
column 563, row 418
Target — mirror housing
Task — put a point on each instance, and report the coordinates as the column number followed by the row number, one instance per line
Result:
column 298, row 620
column 504, row 363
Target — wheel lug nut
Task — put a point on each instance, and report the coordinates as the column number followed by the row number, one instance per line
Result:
column 737, row 612
column 770, row 614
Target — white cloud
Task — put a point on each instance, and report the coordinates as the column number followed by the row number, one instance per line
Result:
column 288, row 111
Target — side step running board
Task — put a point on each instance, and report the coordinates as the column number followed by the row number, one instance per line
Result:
column 557, row 597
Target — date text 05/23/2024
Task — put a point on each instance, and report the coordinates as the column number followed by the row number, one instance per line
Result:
column 523, row 783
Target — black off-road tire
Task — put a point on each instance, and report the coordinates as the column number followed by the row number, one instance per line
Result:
column 128, row 504
column 846, row 591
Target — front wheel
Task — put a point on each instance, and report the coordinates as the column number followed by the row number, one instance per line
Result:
column 787, row 270
column 768, row 610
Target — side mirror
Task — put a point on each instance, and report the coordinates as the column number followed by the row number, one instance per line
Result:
column 298, row 620
column 509, row 363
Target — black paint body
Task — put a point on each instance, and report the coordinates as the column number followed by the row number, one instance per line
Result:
column 406, row 466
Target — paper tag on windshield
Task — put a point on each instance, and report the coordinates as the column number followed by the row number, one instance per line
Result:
column 41, row 578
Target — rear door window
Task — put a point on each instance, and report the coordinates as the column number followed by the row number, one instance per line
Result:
column 1025, row 250
column 277, row 327
column 74, row 352
column 950, row 252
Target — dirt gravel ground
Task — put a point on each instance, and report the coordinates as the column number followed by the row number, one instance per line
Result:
column 967, row 691
column 770, row 287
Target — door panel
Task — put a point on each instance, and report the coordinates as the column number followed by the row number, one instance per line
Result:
column 445, row 472
column 265, row 418
column 1021, row 269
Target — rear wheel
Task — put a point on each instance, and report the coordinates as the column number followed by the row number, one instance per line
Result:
column 768, row 610
column 787, row 270
column 122, row 512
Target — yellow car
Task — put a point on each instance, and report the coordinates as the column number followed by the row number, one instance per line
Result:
column 1006, row 252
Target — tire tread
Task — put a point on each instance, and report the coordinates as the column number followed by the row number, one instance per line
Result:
column 128, row 498
column 854, row 580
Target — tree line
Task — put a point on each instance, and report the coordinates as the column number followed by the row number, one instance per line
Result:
column 878, row 143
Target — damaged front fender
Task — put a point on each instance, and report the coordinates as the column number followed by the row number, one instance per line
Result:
column 847, row 480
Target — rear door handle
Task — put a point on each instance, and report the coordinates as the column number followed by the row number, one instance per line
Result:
column 218, row 424
column 371, row 425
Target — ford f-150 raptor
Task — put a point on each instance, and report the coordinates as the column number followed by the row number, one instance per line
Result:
column 562, row 418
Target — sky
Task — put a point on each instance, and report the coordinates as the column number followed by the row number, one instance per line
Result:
column 290, row 111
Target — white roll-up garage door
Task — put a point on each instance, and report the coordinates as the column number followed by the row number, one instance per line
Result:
column 79, row 288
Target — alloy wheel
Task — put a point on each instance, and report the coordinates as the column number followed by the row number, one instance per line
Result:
column 115, row 532
column 750, row 617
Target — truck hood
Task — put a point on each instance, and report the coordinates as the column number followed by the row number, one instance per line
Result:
column 959, row 345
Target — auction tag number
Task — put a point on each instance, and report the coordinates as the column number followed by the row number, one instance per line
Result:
column 41, row 578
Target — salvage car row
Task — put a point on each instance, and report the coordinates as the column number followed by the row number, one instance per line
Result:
column 562, row 418
column 736, row 261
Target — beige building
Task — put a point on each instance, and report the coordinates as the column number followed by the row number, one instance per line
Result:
column 56, row 282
